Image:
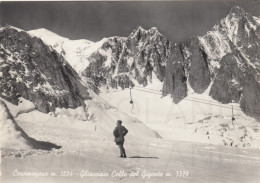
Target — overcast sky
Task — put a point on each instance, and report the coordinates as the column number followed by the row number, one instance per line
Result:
column 95, row 20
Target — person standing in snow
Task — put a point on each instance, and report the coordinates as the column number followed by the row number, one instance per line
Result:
column 119, row 133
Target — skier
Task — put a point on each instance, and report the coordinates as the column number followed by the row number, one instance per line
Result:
column 119, row 133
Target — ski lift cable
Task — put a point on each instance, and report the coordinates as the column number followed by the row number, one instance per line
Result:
column 205, row 102
column 201, row 102
column 193, row 98
column 186, row 97
column 233, row 118
column 167, row 93
column 161, row 92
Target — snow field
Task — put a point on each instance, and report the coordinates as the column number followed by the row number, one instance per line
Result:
column 197, row 118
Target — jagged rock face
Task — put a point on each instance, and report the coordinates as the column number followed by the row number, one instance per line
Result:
column 198, row 71
column 241, row 29
column 250, row 99
column 235, row 82
column 105, row 61
column 233, row 49
column 145, row 52
column 120, row 60
column 148, row 50
column 32, row 70
column 175, row 78
column 226, row 87
column 211, row 58
column 238, row 31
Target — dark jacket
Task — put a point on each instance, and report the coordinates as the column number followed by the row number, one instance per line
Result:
column 119, row 133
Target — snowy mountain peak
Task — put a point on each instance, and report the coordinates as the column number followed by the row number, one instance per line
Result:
column 140, row 28
column 235, row 42
column 51, row 37
column 23, row 73
column 154, row 31
column 236, row 10
column 7, row 26
column 237, row 16
column 44, row 32
column 138, row 32
column 48, row 36
column 257, row 20
column 233, row 30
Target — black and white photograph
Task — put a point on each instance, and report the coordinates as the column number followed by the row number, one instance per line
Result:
column 130, row 91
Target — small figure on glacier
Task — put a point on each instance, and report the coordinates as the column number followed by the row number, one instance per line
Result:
column 119, row 133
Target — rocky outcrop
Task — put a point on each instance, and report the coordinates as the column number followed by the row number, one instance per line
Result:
column 149, row 51
column 233, row 47
column 238, row 31
column 175, row 78
column 145, row 52
column 236, row 83
column 198, row 71
column 226, row 87
column 32, row 70
column 122, row 60
column 250, row 99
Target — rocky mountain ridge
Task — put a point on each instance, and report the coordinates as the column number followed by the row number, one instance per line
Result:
column 32, row 70
column 225, row 59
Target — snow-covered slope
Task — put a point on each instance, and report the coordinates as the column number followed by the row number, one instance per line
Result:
column 257, row 19
column 85, row 151
column 222, row 65
column 14, row 137
column 106, row 116
column 76, row 52
column 97, row 118
column 197, row 118
column 49, row 38
column 10, row 137
column 38, row 84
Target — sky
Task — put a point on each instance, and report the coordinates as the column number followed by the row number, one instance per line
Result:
column 95, row 20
